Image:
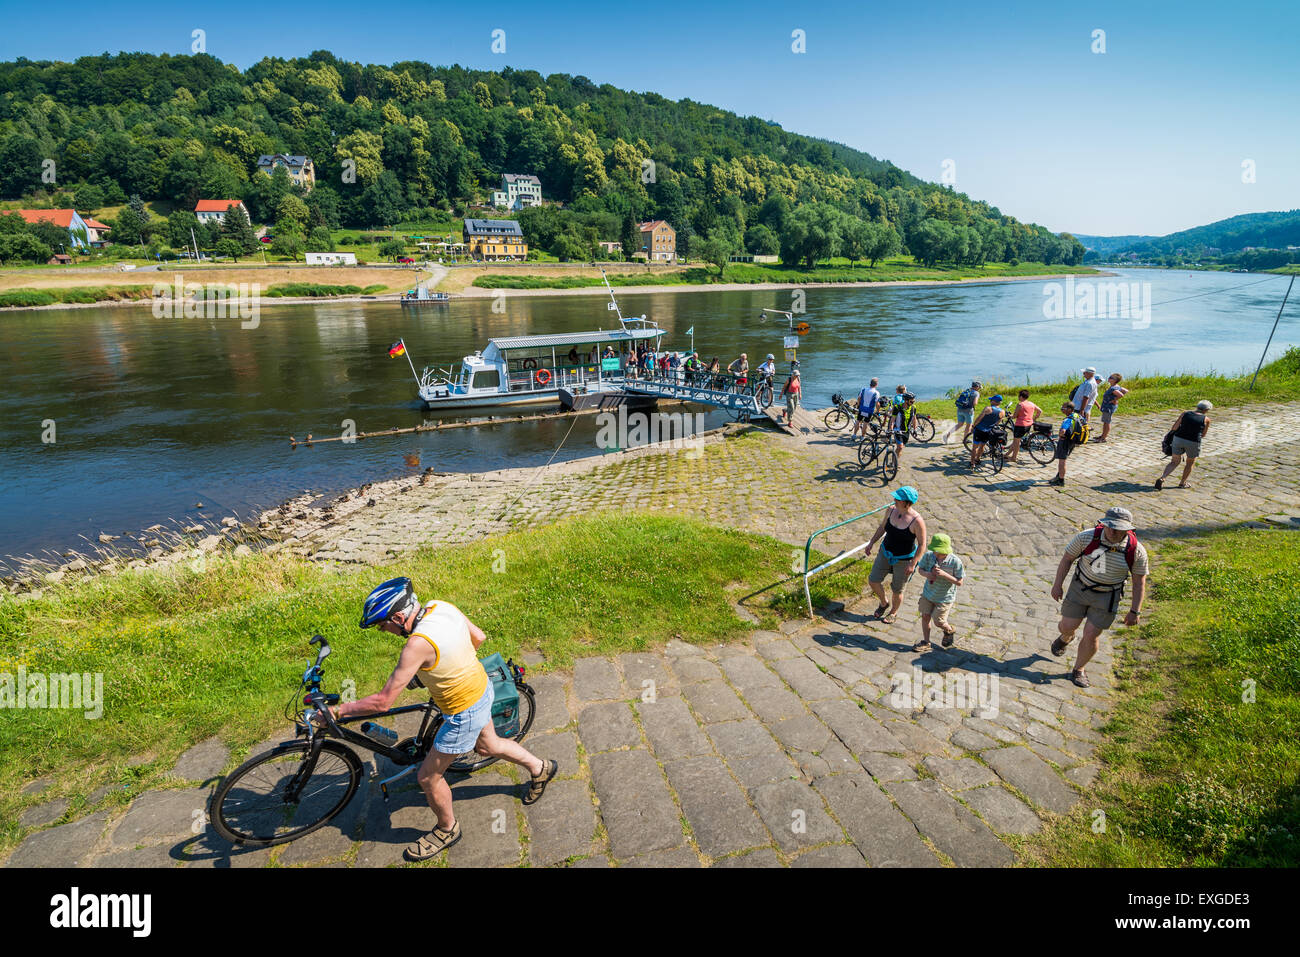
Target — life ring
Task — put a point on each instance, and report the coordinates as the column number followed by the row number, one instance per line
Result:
column 530, row 363
column 543, row 376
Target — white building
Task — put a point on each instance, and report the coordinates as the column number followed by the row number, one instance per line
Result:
column 518, row 190
column 330, row 259
column 214, row 210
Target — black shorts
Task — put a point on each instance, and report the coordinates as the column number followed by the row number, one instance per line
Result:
column 1020, row 431
column 864, row 416
column 1063, row 448
column 981, row 435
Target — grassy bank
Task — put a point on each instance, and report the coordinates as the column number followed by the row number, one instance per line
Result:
column 313, row 289
column 1202, row 766
column 26, row 298
column 1279, row 381
column 186, row 654
column 899, row 269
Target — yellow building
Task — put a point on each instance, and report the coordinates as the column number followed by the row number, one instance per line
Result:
column 300, row 168
column 495, row 239
column 658, row 242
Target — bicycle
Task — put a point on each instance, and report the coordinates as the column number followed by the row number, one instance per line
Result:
column 1038, row 443
column 995, row 450
column 883, row 447
column 316, row 778
column 761, row 388
column 922, row 427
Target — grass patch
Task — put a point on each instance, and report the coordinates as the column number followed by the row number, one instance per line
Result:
column 314, row 290
column 26, row 298
column 1193, row 775
column 187, row 654
column 1279, row 381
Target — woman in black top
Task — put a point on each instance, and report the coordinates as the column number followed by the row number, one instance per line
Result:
column 1188, row 432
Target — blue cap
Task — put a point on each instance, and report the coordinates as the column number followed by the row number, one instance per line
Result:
column 905, row 493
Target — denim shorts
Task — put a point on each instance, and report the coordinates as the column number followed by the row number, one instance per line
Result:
column 965, row 416
column 459, row 732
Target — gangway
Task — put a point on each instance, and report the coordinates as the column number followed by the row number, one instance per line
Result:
column 720, row 390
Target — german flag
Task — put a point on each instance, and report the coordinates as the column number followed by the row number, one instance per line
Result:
column 398, row 348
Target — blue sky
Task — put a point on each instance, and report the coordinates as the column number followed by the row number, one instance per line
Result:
column 1148, row 137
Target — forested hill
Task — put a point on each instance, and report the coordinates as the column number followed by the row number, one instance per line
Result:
column 1276, row 230
column 180, row 128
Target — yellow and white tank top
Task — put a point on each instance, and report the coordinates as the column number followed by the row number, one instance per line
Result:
column 456, row 680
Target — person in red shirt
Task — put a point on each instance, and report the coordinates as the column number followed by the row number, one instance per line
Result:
column 1023, row 417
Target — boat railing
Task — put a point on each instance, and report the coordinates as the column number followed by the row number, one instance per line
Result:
column 563, row 377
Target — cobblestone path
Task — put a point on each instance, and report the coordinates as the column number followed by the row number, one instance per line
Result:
column 815, row 746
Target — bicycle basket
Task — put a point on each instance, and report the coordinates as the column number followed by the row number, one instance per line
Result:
column 1043, row 428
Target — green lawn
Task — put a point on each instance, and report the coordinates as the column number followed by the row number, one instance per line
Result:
column 187, row 654
column 1202, row 763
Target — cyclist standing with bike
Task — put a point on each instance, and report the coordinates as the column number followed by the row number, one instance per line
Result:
column 902, row 415
column 440, row 650
column 982, row 433
column 867, row 401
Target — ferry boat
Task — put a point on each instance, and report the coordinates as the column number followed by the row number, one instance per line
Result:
column 531, row 370
column 421, row 296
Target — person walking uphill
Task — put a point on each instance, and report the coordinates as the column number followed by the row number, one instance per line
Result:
column 966, row 404
column 1104, row 558
column 1186, row 441
column 903, row 530
column 440, row 650
column 943, row 572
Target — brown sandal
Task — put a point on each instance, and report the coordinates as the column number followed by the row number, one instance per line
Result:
column 1080, row 679
column 433, row 843
column 922, row 645
column 1059, row 646
column 949, row 637
column 537, row 784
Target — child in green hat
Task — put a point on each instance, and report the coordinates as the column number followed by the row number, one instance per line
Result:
column 943, row 572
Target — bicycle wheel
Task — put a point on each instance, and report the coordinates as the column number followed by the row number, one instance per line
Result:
column 889, row 465
column 765, row 396
column 473, row 761
column 969, row 441
column 923, row 428
column 252, row 805
column 997, row 458
column 1041, row 447
column 868, row 450
column 836, row 419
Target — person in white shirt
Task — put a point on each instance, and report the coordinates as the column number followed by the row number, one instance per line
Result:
column 1085, row 395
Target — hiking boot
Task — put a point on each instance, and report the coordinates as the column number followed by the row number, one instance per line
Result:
column 1056, row 481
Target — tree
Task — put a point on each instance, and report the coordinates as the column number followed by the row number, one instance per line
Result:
column 20, row 166
column 392, row 249
column 882, row 242
column 179, row 226
column 761, row 241
column 129, row 228
column 320, row 241
column 382, row 202
column 23, row 247
column 229, row 248
column 855, row 238
column 630, row 237
column 291, row 207
column 716, row 249
column 288, row 239
column 235, row 226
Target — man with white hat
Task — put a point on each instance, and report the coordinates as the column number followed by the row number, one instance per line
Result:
column 1104, row 558
column 1086, row 393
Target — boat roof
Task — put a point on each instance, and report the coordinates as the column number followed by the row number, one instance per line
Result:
column 574, row 338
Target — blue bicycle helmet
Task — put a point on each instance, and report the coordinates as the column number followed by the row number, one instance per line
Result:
column 905, row 493
column 381, row 602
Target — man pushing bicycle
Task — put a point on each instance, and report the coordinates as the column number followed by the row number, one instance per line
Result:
column 440, row 651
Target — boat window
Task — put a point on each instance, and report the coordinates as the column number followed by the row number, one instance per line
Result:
column 487, row 379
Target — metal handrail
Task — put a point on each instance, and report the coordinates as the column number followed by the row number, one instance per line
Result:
column 807, row 551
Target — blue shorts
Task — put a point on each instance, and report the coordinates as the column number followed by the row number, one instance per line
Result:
column 459, row 732
column 965, row 416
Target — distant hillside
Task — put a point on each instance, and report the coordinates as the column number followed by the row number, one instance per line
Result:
column 1268, row 230
column 394, row 143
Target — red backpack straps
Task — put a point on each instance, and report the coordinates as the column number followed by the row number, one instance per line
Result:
column 1092, row 545
column 1130, row 549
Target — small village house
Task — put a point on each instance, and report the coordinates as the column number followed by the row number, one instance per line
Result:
column 95, row 231
column 330, row 259
column 495, row 239
column 78, row 230
column 299, row 168
column 658, row 242
column 214, row 210
column 518, row 191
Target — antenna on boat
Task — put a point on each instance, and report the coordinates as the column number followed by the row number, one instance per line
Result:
column 613, row 302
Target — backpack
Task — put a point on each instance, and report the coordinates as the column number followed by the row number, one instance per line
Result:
column 1167, row 444
column 966, row 400
column 1078, row 431
column 1130, row 546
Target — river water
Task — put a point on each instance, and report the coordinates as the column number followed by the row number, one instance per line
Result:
column 152, row 416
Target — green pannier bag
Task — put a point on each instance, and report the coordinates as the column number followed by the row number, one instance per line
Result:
column 505, row 696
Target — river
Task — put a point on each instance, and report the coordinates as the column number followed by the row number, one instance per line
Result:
column 150, row 416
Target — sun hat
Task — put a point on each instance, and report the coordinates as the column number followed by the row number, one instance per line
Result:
column 905, row 493
column 977, row 384
column 1090, row 369
column 1120, row 519
column 1205, row 405
column 941, row 544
